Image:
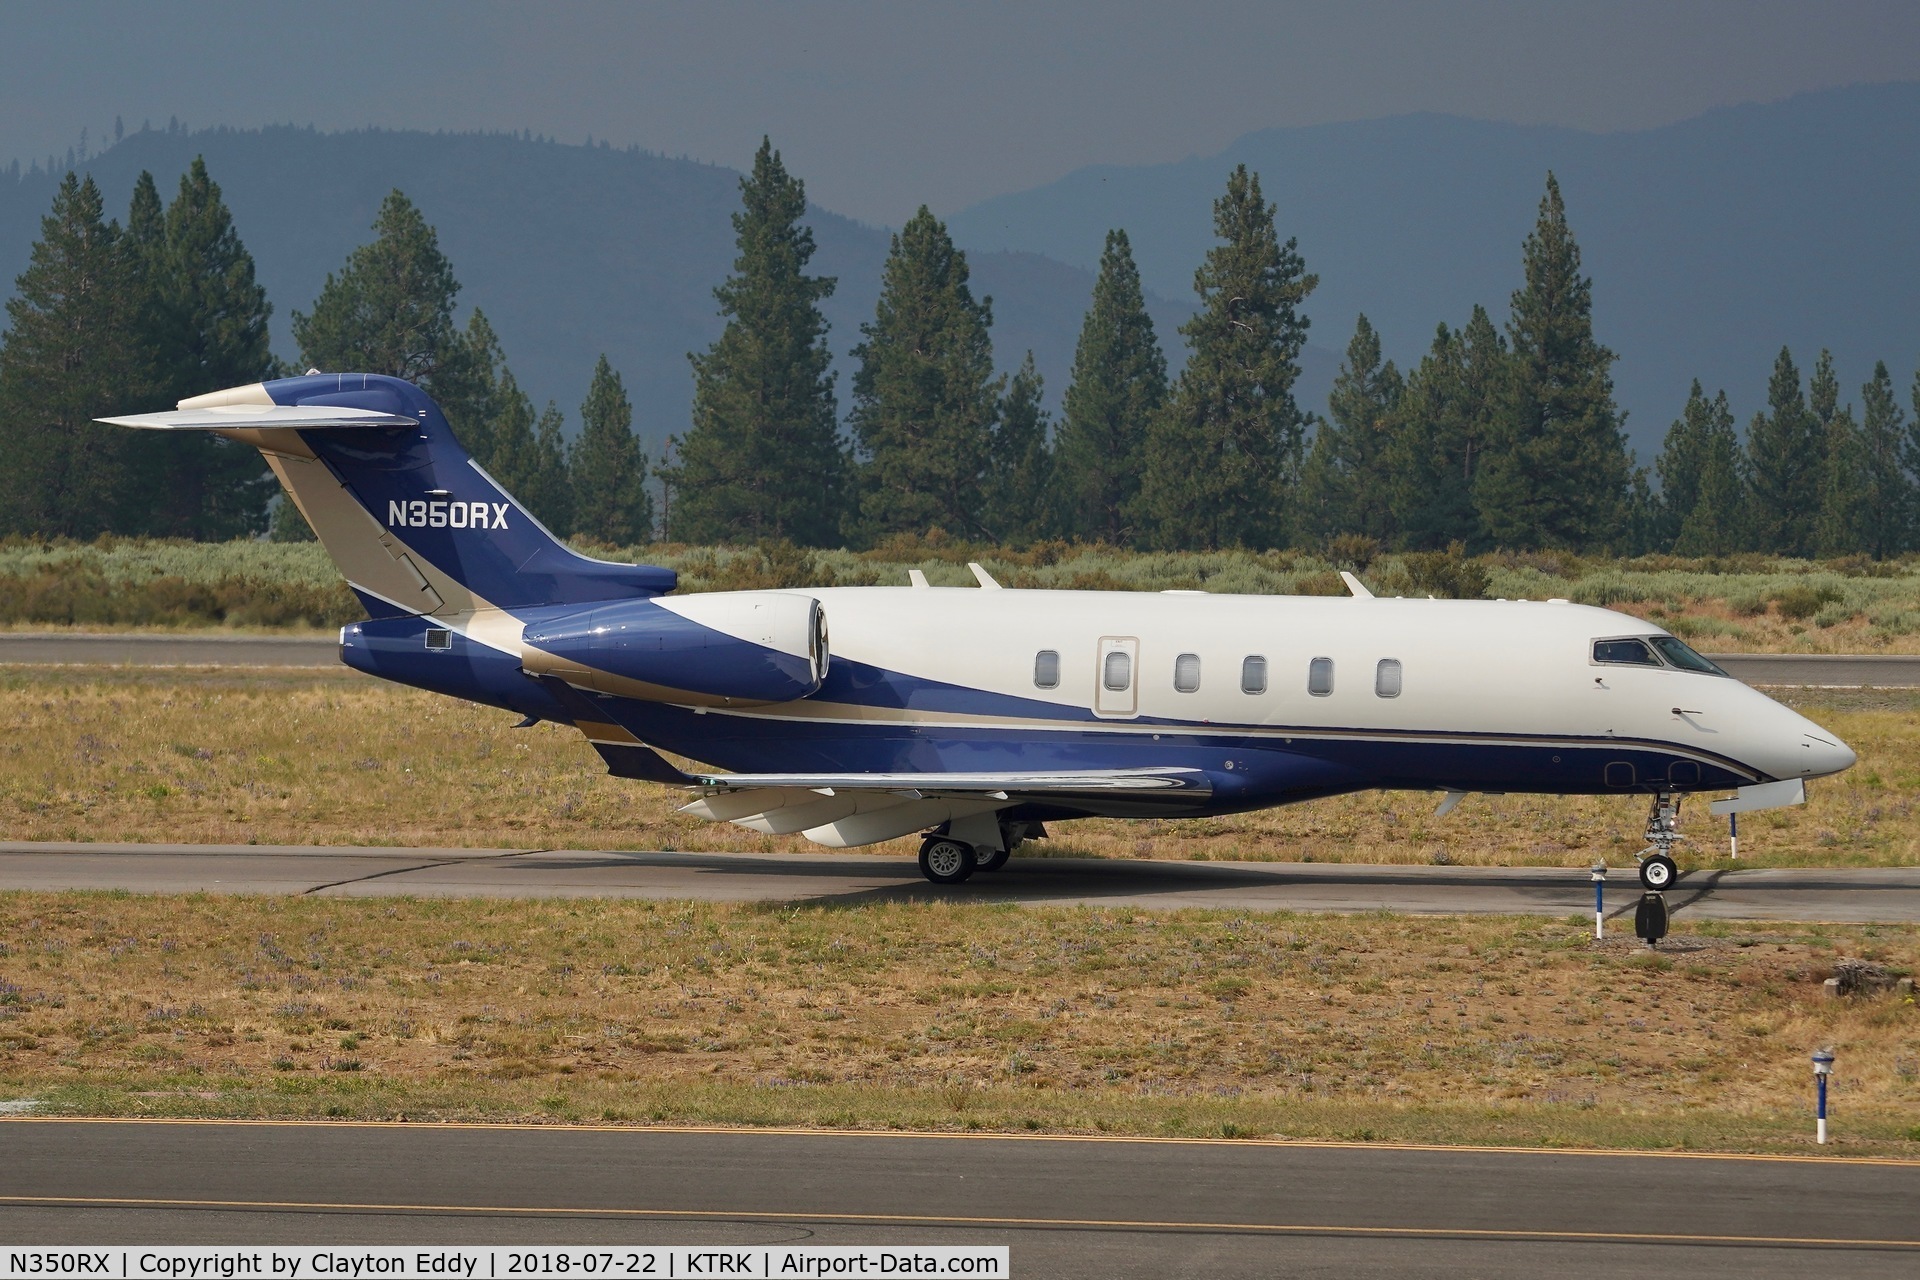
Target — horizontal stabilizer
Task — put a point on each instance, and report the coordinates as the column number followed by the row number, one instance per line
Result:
column 243, row 416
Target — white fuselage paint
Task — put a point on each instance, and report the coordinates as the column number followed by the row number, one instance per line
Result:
column 1468, row 667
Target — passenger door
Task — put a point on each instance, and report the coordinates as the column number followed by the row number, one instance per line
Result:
column 1116, row 681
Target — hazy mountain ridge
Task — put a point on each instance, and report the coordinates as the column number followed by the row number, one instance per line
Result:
column 570, row 250
column 1711, row 241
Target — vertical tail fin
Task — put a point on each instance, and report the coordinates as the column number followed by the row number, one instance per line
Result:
column 413, row 522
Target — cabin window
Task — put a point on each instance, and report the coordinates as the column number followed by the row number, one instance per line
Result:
column 439, row 638
column 1046, row 669
column 1386, row 678
column 1320, row 677
column 1253, row 674
column 1186, row 673
column 1117, row 671
column 1631, row 652
column 1681, row 655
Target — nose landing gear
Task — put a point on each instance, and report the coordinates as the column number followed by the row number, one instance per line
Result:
column 1658, row 870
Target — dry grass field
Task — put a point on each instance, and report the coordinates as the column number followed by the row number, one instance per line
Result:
column 923, row 1015
column 940, row 1016
column 334, row 758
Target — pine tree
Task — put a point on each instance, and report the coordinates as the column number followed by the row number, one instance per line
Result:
column 1719, row 522
column 763, row 459
column 1639, row 513
column 1435, row 452
column 145, row 241
column 390, row 310
column 607, row 467
column 1890, row 489
column 1557, row 471
column 285, row 523
column 215, row 316
column 467, row 387
column 1704, row 484
column 529, row 457
column 72, row 346
column 1784, row 447
column 1343, row 487
column 223, row 311
column 510, row 430
column 924, row 397
column 1680, row 465
column 1845, row 521
column 1223, row 458
column 1119, row 384
column 1020, row 470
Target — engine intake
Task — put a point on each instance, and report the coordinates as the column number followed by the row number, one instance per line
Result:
column 733, row 648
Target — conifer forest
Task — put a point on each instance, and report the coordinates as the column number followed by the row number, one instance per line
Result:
column 1501, row 436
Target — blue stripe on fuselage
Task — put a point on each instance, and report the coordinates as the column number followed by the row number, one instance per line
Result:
column 1248, row 767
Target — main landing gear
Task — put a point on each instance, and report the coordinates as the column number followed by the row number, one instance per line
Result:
column 945, row 860
column 1658, row 870
column 949, row 855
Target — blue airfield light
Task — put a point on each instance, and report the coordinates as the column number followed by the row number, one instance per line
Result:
column 1822, row 1068
column 1599, row 873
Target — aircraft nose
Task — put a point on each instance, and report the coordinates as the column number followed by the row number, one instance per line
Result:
column 1824, row 754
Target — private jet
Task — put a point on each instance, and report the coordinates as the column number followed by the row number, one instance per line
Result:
column 976, row 716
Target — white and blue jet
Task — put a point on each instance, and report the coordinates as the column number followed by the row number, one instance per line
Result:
column 976, row 715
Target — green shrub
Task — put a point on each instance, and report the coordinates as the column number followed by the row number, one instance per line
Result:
column 1834, row 614
column 1609, row 589
column 1801, row 601
column 1448, row 574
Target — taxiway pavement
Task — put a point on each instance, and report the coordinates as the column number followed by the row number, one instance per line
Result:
column 1066, row 1207
column 1862, row 895
column 63, row 648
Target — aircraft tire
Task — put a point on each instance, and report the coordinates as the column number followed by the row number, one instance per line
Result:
column 946, row 861
column 995, row 859
column 1658, row 872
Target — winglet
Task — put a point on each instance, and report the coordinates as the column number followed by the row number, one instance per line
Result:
column 985, row 579
column 917, row 579
column 1356, row 586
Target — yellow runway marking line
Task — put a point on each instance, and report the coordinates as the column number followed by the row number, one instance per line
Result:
column 1305, row 1144
column 930, row 1219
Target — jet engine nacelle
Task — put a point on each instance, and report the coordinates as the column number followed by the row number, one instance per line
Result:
column 733, row 648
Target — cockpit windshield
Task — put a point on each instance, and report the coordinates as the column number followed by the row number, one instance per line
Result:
column 1630, row 652
column 1679, row 654
column 1652, row 651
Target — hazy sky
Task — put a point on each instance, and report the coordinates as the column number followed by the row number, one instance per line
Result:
column 883, row 106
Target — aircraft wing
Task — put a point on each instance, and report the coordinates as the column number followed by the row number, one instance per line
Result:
column 860, row 808
column 845, row 809
column 996, row 786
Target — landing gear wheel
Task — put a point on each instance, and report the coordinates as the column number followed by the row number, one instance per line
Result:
column 1658, row 872
column 995, row 859
column 945, row 861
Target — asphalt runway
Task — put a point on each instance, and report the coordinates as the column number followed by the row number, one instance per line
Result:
column 51, row 648
column 1863, row 895
column 1065, row 1207
column 1844, row 671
